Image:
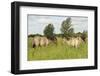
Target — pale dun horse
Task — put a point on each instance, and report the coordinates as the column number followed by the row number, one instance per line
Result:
column 75, row 42
column 39, row 41
column 44, row 41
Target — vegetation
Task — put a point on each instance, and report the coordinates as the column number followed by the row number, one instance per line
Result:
column 49, row 31
column 84, row 35
column 59, row 51
column 66, row 28
column 33, row 35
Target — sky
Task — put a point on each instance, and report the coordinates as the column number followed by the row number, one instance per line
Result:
column 37, row 23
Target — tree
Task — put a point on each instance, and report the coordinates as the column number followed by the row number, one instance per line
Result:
column 49, row 31
column 78, row 34
column 84, row 35
column 66, row 28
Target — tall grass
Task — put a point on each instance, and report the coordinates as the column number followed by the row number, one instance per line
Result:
column 59, row 51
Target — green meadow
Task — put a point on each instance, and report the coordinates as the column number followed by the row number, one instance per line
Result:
column 59, row 51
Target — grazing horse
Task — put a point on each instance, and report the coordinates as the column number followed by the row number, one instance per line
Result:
column 40, row 41
column 75, row 42
column 44, row 41
column 36, row 41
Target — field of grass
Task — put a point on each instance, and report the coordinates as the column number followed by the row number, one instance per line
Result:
column 59, row 51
